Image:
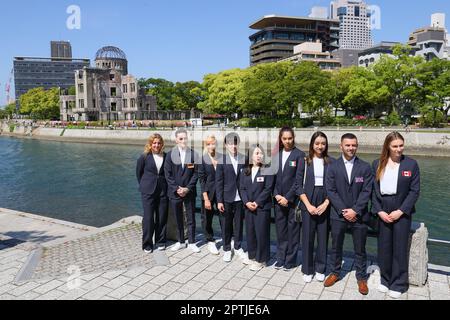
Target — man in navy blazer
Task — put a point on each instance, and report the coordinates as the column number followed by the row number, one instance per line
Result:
column 349, row 187
column 229, row 200
column 181, row 170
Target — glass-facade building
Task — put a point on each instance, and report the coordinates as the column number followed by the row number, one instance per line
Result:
column 277, row 36
column 30, row 73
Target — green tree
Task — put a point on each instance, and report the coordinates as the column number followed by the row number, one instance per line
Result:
column 162, row 89
column 41, row 104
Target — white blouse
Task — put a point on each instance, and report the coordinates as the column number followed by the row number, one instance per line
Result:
column 389, row 181
column 159, row 159
column 284, row 158
column 254, row 173
column 319, row 171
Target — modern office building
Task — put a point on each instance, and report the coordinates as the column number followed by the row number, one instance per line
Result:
column 430, row 42
column 61, row 49
column 371, row 55
column 35, row 72
column 277, row 36
column 106, row 92
column 347, row 57
column 355, row 28
column 313, row 51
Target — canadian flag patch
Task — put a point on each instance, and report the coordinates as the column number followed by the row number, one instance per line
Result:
column 407, row 174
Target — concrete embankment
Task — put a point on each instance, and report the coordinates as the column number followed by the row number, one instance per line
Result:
column 371, row 141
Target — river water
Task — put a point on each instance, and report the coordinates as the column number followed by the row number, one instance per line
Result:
column 95, row 184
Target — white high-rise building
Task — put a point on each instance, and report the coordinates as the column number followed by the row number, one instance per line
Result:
column 355, row 28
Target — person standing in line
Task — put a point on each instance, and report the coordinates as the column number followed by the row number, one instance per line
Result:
column 290, row 162
column 229, row 199
column 396, row 191
column 315, row 207
column 256, row 185
column 207, row 177
column 349, row 184
column 181, row 171
column 153, row 188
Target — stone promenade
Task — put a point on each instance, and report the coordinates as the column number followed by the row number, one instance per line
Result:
column 47, row 259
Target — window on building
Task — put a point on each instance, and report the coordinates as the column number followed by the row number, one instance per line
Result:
column 111, row 76
column 125, row 88
column 81, row 88
column 113, row 92
column 81, row 103
column 133, row 103
column 94, row 104
column 113, row 106
column 125, row 103
column 133, row 87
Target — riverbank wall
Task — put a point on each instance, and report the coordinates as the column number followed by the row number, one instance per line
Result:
column 436, row 144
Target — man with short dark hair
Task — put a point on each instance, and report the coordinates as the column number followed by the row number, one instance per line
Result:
column 349, row 187
column 181, row 171
column 229, row 200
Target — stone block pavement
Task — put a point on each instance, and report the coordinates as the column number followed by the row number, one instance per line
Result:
column 164, row 275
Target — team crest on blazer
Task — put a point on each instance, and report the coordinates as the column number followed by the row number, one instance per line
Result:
column 260, row 179
column 359, row 179
column 293, row 164
column 407, row 174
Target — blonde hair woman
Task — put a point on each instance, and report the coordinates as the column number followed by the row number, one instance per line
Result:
column 207, row 177
column 153, row 188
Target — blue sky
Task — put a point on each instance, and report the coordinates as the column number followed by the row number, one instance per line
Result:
column 178, row 40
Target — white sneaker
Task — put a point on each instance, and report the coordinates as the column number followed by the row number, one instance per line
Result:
column 227, row 256
column 383, row 289
column 212, row 248
column 240, row 253
column 307, row 278
column 256, row 266
column 194, row 248
column 245, row 259
column 176, row 247
column 394, row 294
column 148, row 251
column 320, row 277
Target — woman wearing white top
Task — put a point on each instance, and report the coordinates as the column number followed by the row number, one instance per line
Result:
column 315, row 208
column 153, row 188
column 396, row 191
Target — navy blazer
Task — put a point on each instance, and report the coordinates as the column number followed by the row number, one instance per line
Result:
column 408, row 187
column 286, row 182
column 148, row 176
column 227, row 182
column 310, row 181
column 259, row 190
column 355, row 195
column 207, row 176
column 176, row 176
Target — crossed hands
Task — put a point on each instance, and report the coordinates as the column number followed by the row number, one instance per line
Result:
column 282, row 201
column 390, row 217
column 252, row 206
column 350, row 215
column 182, row 192
column 317, row 211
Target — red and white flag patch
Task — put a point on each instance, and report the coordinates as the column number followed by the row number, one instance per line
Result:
column 407, row 174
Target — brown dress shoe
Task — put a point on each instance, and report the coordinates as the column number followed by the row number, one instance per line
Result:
column 331, row 280
column 362, row 287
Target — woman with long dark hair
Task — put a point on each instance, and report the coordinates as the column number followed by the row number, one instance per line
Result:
column 315, row 208
column 153, row 188
column 255, row 186
column 290, row 163
column 396, row 191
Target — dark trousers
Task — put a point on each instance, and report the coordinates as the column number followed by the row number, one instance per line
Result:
column 232, row 225
column 288, row 235
column 207, row 220
column 393, row 247
column 359, row 234
column 258, row 235
column 312, row 226
column 154, row 222
column 177, row 208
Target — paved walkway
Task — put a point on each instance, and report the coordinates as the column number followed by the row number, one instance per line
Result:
column 48, row 259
